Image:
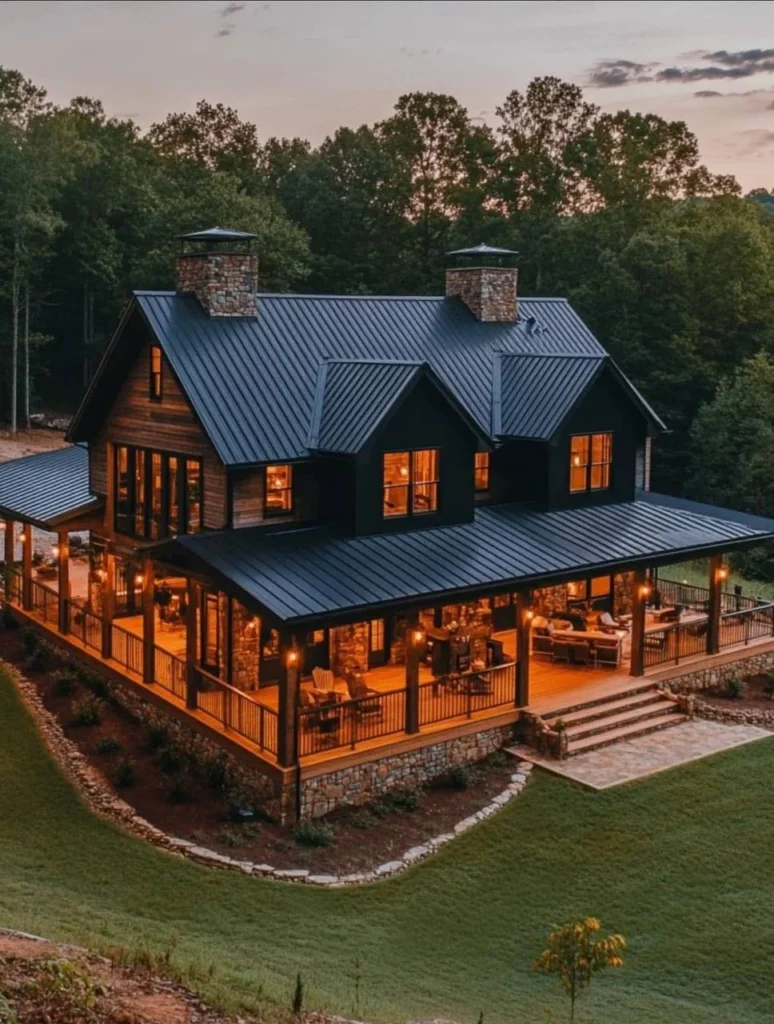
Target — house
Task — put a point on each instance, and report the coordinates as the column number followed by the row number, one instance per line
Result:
column 350, row 540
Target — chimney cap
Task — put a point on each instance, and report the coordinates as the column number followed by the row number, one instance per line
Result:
column 482, row 249
column 217, row 235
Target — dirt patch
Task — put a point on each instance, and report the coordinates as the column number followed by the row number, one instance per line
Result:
column 28, row 442
column 754, row 698
column 193, row 802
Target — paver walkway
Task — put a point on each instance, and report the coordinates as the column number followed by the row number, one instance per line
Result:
column 646, row 755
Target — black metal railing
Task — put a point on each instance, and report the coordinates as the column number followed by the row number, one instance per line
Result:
column 460, row 696
column 84, row 625
column 127, row 649
column 12, row 585
column 675, row 641
column 169, row 672
column 44, row 601
column 690, row 596
column 743, row 626
column 237, row 711
column 345, row 723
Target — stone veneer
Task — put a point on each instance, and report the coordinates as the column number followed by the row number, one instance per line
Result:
column 488, row 292
column 223, row 282
column 349, row 648
column 709, row 677
column 246, row 632
column 361, row 783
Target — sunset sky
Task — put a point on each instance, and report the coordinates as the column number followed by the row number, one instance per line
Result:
column 303, row 68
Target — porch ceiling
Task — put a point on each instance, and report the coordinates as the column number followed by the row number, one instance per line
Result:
column 309, row 576
column 47, row 489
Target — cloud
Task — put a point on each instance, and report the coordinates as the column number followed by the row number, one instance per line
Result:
column 609, row 74
column 712, row 72
column 231, row 8
column 707, row 93
column 717, row 65
column 740, row 58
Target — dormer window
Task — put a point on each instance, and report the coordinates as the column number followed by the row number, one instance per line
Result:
column 591, row 456
column 410, row 483
column 481, row 471
column 155, row 382
column 279, row 490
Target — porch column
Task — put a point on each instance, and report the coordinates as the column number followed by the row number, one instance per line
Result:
column 108, row 603
column 27, row 566
column 718, row 574
column 639, row 600
column 192, row 601
column 10, row 554
column 523, row 628
column 290, row 672
column 414, row 638
column 148, row 623
column 63, row 565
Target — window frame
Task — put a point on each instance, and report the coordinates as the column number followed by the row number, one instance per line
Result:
column 155, row 377
column 129, row 523
column 272, row 513
column 486, row 469
column 589, row 465
column 412, row 484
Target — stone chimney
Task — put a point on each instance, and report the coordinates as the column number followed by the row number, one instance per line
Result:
column 485, row 283
column 218, row 268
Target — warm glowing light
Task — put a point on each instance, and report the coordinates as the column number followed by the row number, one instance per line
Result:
column 102, row 574
column 571, row 588
column 55, row 551
column 293, row 656
column 644, row 590
column 529, row 614
column 722, row 573
column 418, row 636
column 576, row 460
column 403, row 471
column 139, row 579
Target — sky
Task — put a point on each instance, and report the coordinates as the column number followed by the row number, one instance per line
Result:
column 305, row 68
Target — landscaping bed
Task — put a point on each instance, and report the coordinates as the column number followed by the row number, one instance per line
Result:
column 757, row 694
column 195, row 800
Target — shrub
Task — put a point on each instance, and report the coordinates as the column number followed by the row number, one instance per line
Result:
column 362, row 819
column 157, row 737
column 228, row 838
column 125, row 773
column 401, row 800
column 169, row 761
column 768, row 685
column 86, row 711
column 309, row 833
column 30, row 640
column 215, row 773
column 177, row 793
column 65, row 682
column 239, row 805
column 7, row 618
column 459, row 777
column 76, row 542
column 93, row 681
column 298, row 996
column 108, row 746
column 39, row 661
column 560, row 725
column 497, row 759
column 735, row 688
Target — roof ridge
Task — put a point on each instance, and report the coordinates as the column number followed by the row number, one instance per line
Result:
column 554, row 355
column 376, row 362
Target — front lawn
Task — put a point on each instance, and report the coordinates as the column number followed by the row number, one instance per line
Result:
column 680, row 863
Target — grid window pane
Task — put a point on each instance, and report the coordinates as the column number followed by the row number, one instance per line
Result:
column 377, row 634
column 279, row 489
column 396, row 483
column 425, row 480
column 157, row 494
column 481, row 471
column 123, row 517
column 600, row 586
column 155, row 372
column 193, row 495
column 173, row 512
column 139, row 492
column 591, row 456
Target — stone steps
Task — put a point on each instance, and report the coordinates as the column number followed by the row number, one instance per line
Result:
column 628, row 732
column 590, row 712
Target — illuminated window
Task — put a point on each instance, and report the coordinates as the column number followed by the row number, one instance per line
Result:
column 155, row 373
column 193, row 496
column 270, row 645
column 377, row 635
column 481, row 472
column 210, row 631
column 591, row 456
column 157, row 496
column 577, row 590
column 123, row 507
column 318, row 636
column 410, row 482
column 173, row 489
column 139, row 492
column 279, row 490
column 600, row 586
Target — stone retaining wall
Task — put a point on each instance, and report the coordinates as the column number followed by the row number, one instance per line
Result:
column 361, row 783
column 711, row 676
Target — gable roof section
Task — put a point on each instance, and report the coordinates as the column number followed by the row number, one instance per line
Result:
column 354, row 397
column 297, row 575
column 48, row 488
column 535, row 393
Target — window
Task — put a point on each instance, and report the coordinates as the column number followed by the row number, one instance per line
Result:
column 591, row 456
column 156, row 494
column 155, row 387
column 410, row 482
column 377, row 635
column 578, row 590
column 481, row 471
column 600, row 586
column 279, row 490
column 210, row 631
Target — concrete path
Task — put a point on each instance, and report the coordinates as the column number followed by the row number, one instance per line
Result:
column 646, row 755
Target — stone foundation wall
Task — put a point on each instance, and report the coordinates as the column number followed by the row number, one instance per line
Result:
column 361, row 783
column 715, row 676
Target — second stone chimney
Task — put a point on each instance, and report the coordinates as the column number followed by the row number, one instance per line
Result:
column 218, row 267
column 485, row 280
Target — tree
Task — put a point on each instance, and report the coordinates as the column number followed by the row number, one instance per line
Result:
column 574, row 954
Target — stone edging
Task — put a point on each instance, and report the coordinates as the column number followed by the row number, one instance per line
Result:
column 734, row 716
column 100, row 798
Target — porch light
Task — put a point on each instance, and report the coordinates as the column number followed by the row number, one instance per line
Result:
column 644, row 590
column 139, row 579
column 418, row 636
column 55, row 551
column 529, row 615
column 102, row 574
column 721, row 574
column 292, row 656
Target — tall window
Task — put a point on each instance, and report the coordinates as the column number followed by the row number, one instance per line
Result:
column 156, row 494
column 155, row 385
column 279, row 490
column 591, row 456
column 410, row 482
column 210, row 631
column 376, row 642
column 481, row 471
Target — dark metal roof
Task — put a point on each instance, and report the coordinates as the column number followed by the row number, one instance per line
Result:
column 252, row 381
column 217, row 235
column 48, row 488
column 534, row 394
column 302, row 574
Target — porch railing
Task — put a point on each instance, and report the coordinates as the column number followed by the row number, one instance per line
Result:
column 349, row 722
column 743, row 626
column 237, row 711
column 126, row 649
column 12, row 585
column 169, row 672
column 460, row 696
column 85, row 625
column 690, row 596
column 673, row 642
column 45, row 601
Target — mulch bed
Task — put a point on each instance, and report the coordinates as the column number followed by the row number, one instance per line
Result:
column 168, row 795
column 754, row 699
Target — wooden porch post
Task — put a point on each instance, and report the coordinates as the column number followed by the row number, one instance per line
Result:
column 718, row 573
column 148, row 623
column 108, row 604
column 523, row 628
column 413, row 646
column 192, row 601
column 290, row 672
column 27, row 566
column 639, row 601
column 63, row 595
column 10, row 553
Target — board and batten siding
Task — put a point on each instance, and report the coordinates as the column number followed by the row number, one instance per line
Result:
column 169, row 425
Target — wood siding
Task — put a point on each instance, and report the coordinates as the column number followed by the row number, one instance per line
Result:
column 247, row 496
column 168, row 425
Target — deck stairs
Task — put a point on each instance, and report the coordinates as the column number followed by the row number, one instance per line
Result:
column 620, row 716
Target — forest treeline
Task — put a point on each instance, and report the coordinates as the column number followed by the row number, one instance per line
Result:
column 668, row 263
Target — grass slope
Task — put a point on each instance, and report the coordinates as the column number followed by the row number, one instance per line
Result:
column 680, row 863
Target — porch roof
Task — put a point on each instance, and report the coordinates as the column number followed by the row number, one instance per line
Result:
column 49, row 488
column 312, row 575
